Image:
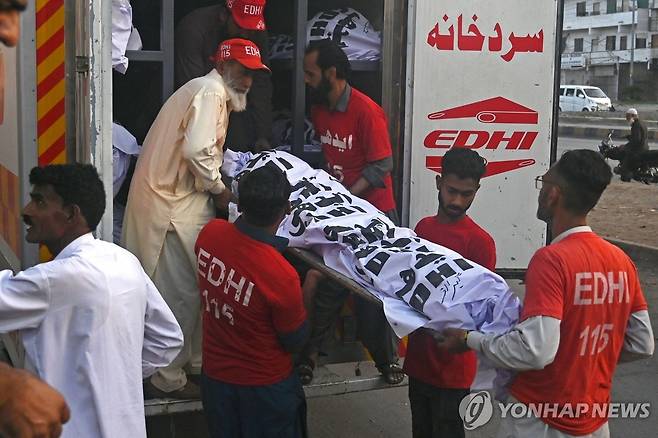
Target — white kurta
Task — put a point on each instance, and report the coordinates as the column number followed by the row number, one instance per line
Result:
column 93, row 325
column 124, row 35
column 178, row 170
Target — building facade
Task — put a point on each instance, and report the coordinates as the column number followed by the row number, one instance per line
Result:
column 600, row 38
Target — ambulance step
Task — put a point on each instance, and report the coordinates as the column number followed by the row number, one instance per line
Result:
column 333, row 379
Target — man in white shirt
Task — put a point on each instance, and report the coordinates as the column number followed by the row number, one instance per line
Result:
column 28, row 407
column 171, row 196
column 92, row 323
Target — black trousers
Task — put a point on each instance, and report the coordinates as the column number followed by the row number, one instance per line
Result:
column 632, row 162
column 236, row 411
column 373, row 329
column 435, row 411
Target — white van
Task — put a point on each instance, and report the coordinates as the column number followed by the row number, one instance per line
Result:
column 583, row 98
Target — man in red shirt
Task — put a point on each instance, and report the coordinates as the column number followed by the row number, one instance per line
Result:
column 351, row 127
column 438, row 379
column 356, row 146
column 584, row 311
column 253, row 317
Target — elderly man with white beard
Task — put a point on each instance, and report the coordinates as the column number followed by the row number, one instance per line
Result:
column 175, row 190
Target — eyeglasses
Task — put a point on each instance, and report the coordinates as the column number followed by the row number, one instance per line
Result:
column 540, row 180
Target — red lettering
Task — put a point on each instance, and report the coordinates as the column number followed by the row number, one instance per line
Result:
column 432, row 35
column 447, row 138
column 498, row 137
column 528, row 140
column 463, row 138
column 433, row 138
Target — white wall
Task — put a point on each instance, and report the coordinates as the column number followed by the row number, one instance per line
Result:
column 9, row 127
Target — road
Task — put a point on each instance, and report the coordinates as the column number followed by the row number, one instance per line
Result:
column 567, row 143
column 385, row 413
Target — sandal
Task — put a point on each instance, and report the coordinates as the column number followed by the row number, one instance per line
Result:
column 305, row 371
column 392, row 373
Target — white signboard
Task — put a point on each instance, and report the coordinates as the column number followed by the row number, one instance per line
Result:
column 482, row 78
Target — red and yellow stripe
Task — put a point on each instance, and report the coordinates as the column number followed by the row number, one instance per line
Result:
column 51, row 89
column 51, row 86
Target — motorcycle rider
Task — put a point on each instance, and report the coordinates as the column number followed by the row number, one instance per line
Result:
column 637, row 143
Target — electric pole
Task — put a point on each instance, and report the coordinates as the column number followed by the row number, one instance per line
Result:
column 630, row 78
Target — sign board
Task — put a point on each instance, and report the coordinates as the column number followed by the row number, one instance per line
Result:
column 573, row 61
column 483, row 77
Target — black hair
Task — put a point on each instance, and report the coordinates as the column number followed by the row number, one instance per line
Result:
column 77, row 184
column 331, row 55
column 464, row 163
column 13, row 5
column 584, row 175
column 262, row 195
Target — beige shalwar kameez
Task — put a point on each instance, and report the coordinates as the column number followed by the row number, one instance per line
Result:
column 170, row 200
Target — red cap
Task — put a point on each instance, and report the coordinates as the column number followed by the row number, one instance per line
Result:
column 248, row 14
column 243, row 51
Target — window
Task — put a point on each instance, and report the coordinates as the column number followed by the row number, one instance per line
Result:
column 623, row 42
column 594, row 45
column 569, row 92
column 640, row 43
column 596, row 9
column 611, row 6
column 578, row 45
column 642, row 4
column 581, row 9
column 579, row 93
column 595, row 93
column 610, row 42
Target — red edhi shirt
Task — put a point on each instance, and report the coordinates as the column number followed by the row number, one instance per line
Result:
column 592, row 287
column 251, row 299
column 424, row 360
column 353, row 138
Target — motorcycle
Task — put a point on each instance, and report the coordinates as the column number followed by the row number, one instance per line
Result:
column 646, row 172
